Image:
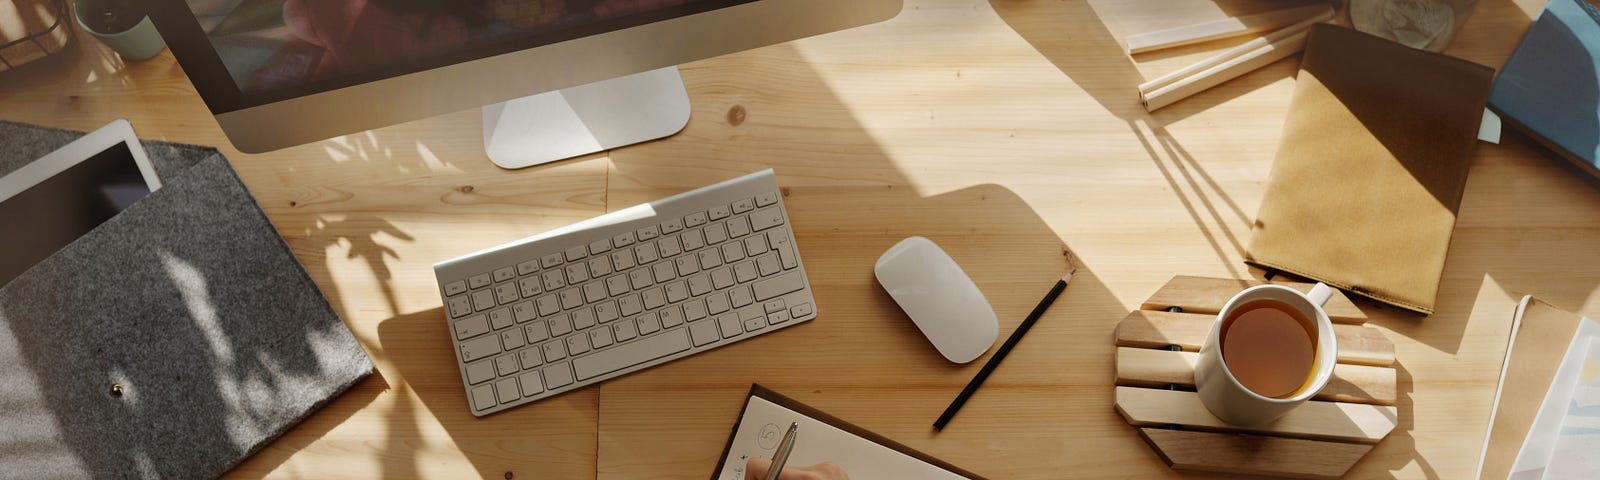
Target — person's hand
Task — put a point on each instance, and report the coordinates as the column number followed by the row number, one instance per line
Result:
column 757, row 467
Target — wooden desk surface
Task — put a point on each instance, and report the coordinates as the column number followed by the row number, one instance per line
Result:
column 1007, row 131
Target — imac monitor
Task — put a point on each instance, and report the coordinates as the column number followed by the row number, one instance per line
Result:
column 555, row 78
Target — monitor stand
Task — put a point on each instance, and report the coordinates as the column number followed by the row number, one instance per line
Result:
column 585, row 119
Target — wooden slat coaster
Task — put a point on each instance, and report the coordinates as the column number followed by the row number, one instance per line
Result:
column 1358, row 344
column 1207, row 295
column 1321, row 439
column 1254, row 454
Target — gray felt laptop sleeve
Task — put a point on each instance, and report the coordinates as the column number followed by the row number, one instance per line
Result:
column 191, row 303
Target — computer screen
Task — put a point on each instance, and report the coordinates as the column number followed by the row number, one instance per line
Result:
column 270, row 50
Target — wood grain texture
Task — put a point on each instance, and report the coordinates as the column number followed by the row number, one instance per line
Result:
column 1158, row 368
column 1242, row 454
column 1224, row 28
column 1315, row 420
column 1005, row 130
column 1358, row 344
column 1208, row 295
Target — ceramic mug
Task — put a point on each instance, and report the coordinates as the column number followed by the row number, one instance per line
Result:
column 1230, row 400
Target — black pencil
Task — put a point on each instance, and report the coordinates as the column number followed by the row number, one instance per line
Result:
column 1005, row 348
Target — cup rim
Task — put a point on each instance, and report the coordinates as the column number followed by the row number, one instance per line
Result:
column 77, row 17
column 1320, row 377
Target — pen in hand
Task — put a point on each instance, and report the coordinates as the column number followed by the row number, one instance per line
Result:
column 781, row 456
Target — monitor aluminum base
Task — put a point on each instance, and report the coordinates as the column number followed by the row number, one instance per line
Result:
column 585, row 119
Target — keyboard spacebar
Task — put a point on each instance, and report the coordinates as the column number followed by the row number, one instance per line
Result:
column 628, row 355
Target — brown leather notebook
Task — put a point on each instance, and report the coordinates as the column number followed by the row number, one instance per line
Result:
column 1364, row 191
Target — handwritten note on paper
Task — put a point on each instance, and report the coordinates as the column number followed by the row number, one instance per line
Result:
column 763, row 425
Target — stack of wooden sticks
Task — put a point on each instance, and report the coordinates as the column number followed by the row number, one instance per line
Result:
column 1285, row 34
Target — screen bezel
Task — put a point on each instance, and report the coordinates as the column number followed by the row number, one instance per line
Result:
column 189, row 43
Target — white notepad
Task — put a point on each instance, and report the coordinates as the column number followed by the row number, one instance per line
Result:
column 822, row 438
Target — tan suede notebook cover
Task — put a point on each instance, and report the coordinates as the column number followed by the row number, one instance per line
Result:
column 1364, row 190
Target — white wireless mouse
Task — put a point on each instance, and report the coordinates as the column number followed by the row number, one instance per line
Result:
column 939, row 297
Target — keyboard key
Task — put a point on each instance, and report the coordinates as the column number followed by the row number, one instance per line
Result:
column 740, row 296
column 625, row 331
column 765, row 199
column 716, row 233
column 704, row 333
column 710, row 258
column 766, row 218
column 754, row 324
column 553, row 279
column 506, row 364
column 479, row 348
column 623, row 259
column 507, row 293
column 654, row 298
column 557, row 376
column 548, row 305
column 484, row 300
column 733, row 252
column 501, row 318
column 530, row 358
column 755, row 244
column 648, row 325
column 800, row 310
column 554, row 350
column 700, row 285
column 719, row 212
column 649, row 233
column 717, row 303
column 778, row 317
column 738, row 227
column 594, row 291
column 664, row 271
column 722, row 278
column 536, row 332
column 599, row 267
column 582, row 319
column 606, row 312
column 741, row 206
column 529, row 287
column 571, row 298
column 507, row 390
column 778, row 285
column 479, row 372
column 630, row 305
column 617, row 284
column 785, row 251
column 576, row 253
column 455, row 288
column 601, row 337
column 671, row 226
column 669, row 247
column 504, row 274
column 531, row 385
column 528, row 267
column 559, row 325
column 645, row 350
column 479, row 281
column 623, row 239
column 550, row 261
column 471, row 327
column 693, row 240
column 731, row 327
column 774, row 305
column 646, row 252
column 694, row 310
column 640, row 278
column 687, row 265
column 577, row 273
column 768, row 264
column 599, row 246
column 694, row 219
column 677, row 292
column 745, row 272
column 459, row 306
column 483, row 397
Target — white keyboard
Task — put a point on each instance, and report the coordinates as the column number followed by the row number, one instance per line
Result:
column 623, row 292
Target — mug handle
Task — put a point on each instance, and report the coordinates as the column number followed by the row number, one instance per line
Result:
column 1320, row 293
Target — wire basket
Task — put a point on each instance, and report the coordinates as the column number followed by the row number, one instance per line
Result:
column 46, row 31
